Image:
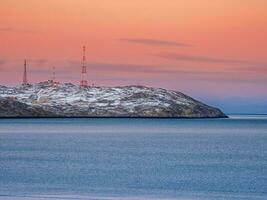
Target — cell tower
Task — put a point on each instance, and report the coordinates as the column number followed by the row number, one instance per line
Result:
column 84, row 73
column 25, row 81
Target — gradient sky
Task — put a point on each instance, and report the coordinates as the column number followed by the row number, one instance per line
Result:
column 215, row 51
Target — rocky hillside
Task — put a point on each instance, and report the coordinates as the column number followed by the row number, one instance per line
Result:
column 11, row 108
column 67, row 100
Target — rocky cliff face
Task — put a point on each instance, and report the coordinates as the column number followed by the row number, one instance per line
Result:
column 68, row 100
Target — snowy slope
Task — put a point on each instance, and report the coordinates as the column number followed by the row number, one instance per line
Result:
column 130, row 101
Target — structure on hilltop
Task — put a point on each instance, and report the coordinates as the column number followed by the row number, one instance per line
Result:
column 52, row 80
column 83, row 82
column 25, row 81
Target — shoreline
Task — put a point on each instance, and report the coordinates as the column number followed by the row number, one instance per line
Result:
column 109, row 117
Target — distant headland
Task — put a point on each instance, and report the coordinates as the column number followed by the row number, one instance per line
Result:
column 47, row 99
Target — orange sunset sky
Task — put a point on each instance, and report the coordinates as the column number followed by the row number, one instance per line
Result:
column 212, row 50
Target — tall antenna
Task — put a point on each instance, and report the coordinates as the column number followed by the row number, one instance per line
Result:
column 83, row 81
column 25, row 81
column 54, row 74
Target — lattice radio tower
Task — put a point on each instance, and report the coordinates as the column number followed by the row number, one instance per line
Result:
column 84, row 71
column 25, row 81
column 54, row 74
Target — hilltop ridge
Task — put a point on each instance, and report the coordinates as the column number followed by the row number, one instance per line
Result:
column 68, row 100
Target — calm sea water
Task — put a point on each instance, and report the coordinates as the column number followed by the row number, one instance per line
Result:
column 134, row 158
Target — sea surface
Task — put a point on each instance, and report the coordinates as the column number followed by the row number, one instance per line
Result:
column 134, row 158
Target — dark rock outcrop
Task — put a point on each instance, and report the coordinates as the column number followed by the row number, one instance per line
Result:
column 12, row 108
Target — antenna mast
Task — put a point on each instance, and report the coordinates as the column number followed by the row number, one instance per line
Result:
column 25, row 81
column 84, row 72
column 54, row 74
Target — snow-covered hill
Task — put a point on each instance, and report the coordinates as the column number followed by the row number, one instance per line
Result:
column 68, row 100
